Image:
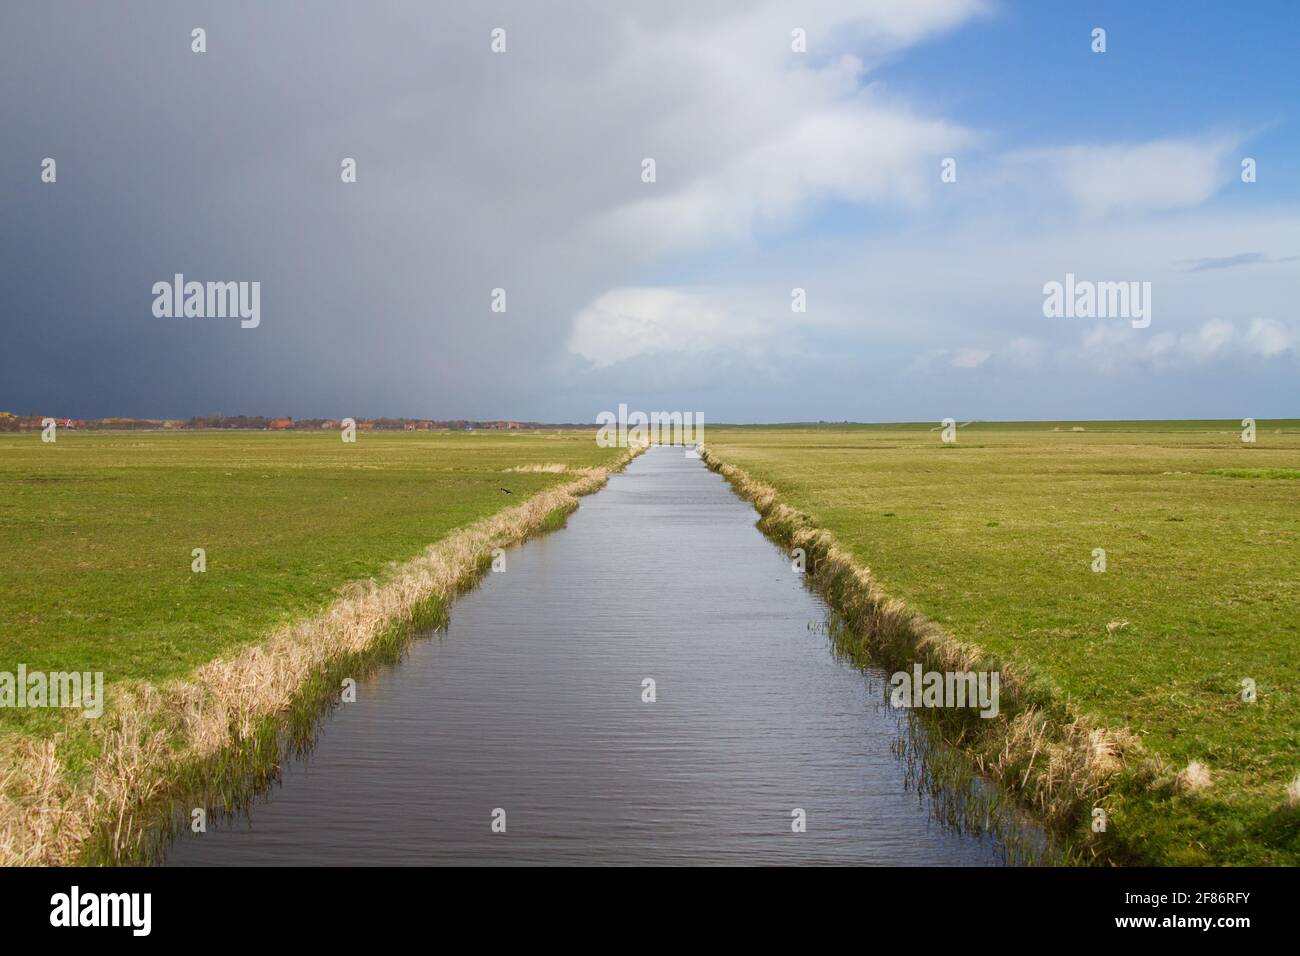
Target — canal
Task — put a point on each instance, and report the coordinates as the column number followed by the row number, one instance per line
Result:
column 523, row 732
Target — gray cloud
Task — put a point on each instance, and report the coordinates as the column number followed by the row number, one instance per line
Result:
column 1228, row 262
column 475, row 171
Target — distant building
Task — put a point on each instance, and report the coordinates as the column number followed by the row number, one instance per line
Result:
column 280, row 424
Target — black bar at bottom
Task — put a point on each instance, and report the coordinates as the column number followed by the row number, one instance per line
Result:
column 366, row 905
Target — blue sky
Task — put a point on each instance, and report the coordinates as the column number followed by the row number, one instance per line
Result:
column 776, row 170
column 1027, row 71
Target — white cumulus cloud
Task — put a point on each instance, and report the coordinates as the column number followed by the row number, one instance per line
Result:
column 1161, row 174
column 629, row 322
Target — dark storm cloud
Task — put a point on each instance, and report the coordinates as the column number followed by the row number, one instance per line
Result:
column 226, row 166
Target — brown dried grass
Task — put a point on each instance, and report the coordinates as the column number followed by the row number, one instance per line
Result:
column 1193, row 778
column 553, row 468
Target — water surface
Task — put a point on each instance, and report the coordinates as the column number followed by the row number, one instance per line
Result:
column 531, row 702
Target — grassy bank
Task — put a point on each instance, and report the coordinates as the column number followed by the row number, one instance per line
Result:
column 983, row 552
column 317, row 563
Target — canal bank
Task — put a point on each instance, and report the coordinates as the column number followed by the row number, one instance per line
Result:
column 1057, row 764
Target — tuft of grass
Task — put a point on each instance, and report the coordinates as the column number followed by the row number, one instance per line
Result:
column 553, row 468
column 1193, row 778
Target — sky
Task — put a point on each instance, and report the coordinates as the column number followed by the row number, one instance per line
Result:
column 775, row 170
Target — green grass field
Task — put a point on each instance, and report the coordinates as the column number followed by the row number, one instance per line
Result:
column 97, row 530
column 993, row 538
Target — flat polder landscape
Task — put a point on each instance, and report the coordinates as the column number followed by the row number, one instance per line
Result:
column 995, row 537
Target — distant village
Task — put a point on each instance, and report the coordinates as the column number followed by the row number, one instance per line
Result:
column 21, row 423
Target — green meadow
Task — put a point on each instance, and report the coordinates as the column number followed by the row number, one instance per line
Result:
column 97, row 532
column 994, row 538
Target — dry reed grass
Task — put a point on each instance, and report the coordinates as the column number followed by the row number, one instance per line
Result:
column 552, row 468
column 48, row 811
